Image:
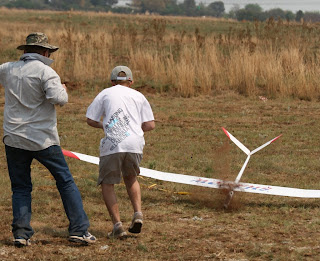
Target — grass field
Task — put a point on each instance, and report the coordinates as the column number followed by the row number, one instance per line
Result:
column 185, row 56
column 188, row 138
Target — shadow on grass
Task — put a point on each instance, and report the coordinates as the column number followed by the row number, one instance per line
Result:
column 289, row 204
column 200, row 198
column 6, row 242
column 197, row 199
column 62, row 236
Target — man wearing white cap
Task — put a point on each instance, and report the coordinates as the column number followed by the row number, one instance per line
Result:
column 32, row 89
column 126, row 116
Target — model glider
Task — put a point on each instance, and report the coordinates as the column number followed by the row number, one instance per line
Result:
column 217, row 183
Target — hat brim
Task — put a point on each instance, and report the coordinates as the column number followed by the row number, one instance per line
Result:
column 50, row 47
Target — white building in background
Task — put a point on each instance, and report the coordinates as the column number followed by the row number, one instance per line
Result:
column 123, row 2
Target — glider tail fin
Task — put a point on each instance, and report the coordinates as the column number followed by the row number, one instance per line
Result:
column 238, row 143
column 265, row 145
column 246, row 151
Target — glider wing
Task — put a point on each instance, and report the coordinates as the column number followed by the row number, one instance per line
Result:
column 210, row 183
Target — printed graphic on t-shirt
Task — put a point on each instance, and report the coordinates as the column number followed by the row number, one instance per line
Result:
column 117, row 128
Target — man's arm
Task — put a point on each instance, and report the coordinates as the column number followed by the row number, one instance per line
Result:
column 148, row 126
column 55, row 91
column 3, row 69
column 95, row 124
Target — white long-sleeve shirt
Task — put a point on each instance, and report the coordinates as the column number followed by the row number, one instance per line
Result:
column 32, row 89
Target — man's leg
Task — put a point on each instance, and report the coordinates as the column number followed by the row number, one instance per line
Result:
column 109, row 175
column 110, row 199
column 53, row 159
column 134, row 192
column 130, row 170
column 19, row 162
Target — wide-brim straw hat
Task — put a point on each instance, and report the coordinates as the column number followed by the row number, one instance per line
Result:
column 38, row 39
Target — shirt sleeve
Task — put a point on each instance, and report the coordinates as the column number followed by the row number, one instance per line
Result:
column 53, row 89
column 2, row 73
column 95, row 109
column 146, row 112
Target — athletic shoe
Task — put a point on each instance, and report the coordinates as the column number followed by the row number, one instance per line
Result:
column 21, row 242
column 117, row 232
column 136, row 224
column 85, row 239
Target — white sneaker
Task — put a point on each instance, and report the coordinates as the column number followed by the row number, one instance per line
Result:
column 86, row 238
column 21, row 242
column 117, row 233
column 136, row 223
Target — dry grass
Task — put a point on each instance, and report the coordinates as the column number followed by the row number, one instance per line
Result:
column 274, row 59
column 188, row 140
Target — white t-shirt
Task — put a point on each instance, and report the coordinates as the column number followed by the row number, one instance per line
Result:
column 123, row 111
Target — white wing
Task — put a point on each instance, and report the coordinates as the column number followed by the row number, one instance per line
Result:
column 278, row 191
column 210, row 183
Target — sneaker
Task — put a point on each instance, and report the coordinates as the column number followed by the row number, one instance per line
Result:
column 136, row 224
column 117, row 232
column 21, row 242
column 86, row 239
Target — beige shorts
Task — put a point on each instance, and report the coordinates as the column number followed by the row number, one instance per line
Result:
column 113, row 167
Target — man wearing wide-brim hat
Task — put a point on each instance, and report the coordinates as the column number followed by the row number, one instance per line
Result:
column 37, row 40
column 32, row 89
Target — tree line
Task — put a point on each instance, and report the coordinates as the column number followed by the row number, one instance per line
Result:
column 166, row 7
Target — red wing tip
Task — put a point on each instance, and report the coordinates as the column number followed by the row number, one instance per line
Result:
column 276, row 138
column 226, row 132
column 69, row 154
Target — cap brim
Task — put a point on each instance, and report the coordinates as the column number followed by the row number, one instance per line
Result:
column 51, row 48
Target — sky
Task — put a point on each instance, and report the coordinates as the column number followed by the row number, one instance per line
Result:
column 292, row 5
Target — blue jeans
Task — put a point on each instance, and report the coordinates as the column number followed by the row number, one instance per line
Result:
column 19, row 166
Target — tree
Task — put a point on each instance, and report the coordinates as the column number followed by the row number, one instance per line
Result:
column 188, row 7
column 60, row 4
column 156, row 6
column 103, row 2
column 233, row 11
column 81, row 4
column 299, row 16
column 171, row 8
column 289, row 16
column 32, row 4
column 276, row 13
column 311, row 17
column 190, row 4
column 254, row 8
column 251, row 12
column 216, row 9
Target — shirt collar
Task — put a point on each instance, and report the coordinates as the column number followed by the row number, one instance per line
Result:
column 35, row 56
